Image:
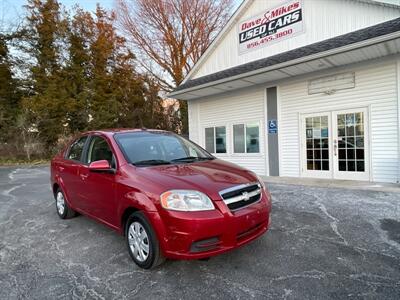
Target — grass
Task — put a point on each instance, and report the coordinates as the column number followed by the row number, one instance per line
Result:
column 22, row 162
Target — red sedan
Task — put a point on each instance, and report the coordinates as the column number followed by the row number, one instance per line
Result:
column 169, row 197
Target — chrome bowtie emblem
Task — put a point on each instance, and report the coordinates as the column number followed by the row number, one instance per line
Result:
column 246, row 196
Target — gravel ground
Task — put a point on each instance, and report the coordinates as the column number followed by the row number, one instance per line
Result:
column 324, row 243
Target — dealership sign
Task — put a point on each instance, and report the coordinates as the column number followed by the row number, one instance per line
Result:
column 275, row 24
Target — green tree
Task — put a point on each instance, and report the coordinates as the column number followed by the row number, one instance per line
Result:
column 45, row 38
column 117, row 90
column 9, row 95
column 75, row 72
column 128, row 90
column 78, row 70
column 104, row 45
column 157, row 113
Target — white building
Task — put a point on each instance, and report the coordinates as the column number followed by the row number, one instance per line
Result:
column 302, row 88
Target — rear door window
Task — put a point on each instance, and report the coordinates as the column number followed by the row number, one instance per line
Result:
column 76, row 149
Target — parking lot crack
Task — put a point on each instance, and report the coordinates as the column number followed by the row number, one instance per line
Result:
column 334, row 221
column 312, row 274
column 8, row 193
column 374, row 280
column 238, row 286
column 368, row 279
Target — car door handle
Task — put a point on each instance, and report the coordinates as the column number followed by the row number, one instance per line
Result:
column 60, row 168
column 84, row 176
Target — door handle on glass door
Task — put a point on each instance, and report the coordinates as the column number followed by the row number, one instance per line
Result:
column 335, row 147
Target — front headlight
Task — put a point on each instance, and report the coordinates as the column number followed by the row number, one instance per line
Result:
column 185, row 200
column 261, row 183
column 264, row 187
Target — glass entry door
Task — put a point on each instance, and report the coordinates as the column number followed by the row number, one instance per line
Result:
column 316, row 148
column 350, row 144
column 335, row 145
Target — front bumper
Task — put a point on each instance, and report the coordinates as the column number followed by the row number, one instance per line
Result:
column 194, row 235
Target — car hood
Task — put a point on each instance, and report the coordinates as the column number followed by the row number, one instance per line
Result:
column 209, row 177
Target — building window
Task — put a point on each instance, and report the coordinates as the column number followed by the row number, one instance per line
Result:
column 246, row 138
column 239, row 144
column 210, row 140
column 216, row 139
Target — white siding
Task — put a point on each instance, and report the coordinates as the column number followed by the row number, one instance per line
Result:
column 227, row 109
column 323, row 19
column 376, row 88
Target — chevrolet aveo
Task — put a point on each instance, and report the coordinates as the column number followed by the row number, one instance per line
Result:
column 169, row 197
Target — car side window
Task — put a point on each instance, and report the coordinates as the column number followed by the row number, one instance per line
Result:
column 76, row 149
column 100, row 150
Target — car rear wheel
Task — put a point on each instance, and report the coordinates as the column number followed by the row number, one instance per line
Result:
column 63, row 209
column 142, row 242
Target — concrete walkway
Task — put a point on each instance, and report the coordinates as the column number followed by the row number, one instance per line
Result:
column 329, row 183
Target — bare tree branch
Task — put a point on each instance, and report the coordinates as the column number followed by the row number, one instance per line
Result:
column 171, row 34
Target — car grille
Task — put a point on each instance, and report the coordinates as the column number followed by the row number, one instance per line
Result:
column 242, row 195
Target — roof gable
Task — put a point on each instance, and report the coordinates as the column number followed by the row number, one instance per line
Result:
column 369, row 33
column 319, row 22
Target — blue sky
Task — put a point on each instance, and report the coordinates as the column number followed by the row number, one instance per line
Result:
column 12, row 10
column 15, row 6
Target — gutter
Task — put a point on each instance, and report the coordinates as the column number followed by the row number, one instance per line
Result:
column 369, row 42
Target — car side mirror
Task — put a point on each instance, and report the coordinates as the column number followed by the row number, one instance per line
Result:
column 101, row 166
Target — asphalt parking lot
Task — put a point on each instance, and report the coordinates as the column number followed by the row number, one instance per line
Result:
column 324, row 243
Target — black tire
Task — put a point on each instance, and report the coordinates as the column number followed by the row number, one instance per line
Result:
column 67, row 212
column 154, row 257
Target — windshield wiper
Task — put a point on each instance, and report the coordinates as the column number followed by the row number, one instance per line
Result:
column 191, row 158
column 151, row 162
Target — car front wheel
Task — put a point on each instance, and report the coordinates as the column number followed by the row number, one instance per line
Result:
column 142, row 242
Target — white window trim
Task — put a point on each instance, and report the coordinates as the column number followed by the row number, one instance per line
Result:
column 247, row 154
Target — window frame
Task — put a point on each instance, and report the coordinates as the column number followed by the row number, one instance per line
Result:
column 245, row 124
column 87, row 146
column 82, row 157
column 215, row 139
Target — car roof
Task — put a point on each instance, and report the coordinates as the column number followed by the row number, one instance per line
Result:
column 112, row 131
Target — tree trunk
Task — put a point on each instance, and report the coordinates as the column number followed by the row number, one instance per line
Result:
column 183, row 109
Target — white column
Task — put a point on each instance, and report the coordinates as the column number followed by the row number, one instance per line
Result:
column 398, row 120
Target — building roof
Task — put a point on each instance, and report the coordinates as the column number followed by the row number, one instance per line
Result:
column 326, row 45
column 238, row 14
column 379, row 2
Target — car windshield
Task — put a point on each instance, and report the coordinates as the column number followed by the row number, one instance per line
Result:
column 156, row 148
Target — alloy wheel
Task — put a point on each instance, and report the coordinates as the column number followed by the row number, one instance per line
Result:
column 138, row 241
